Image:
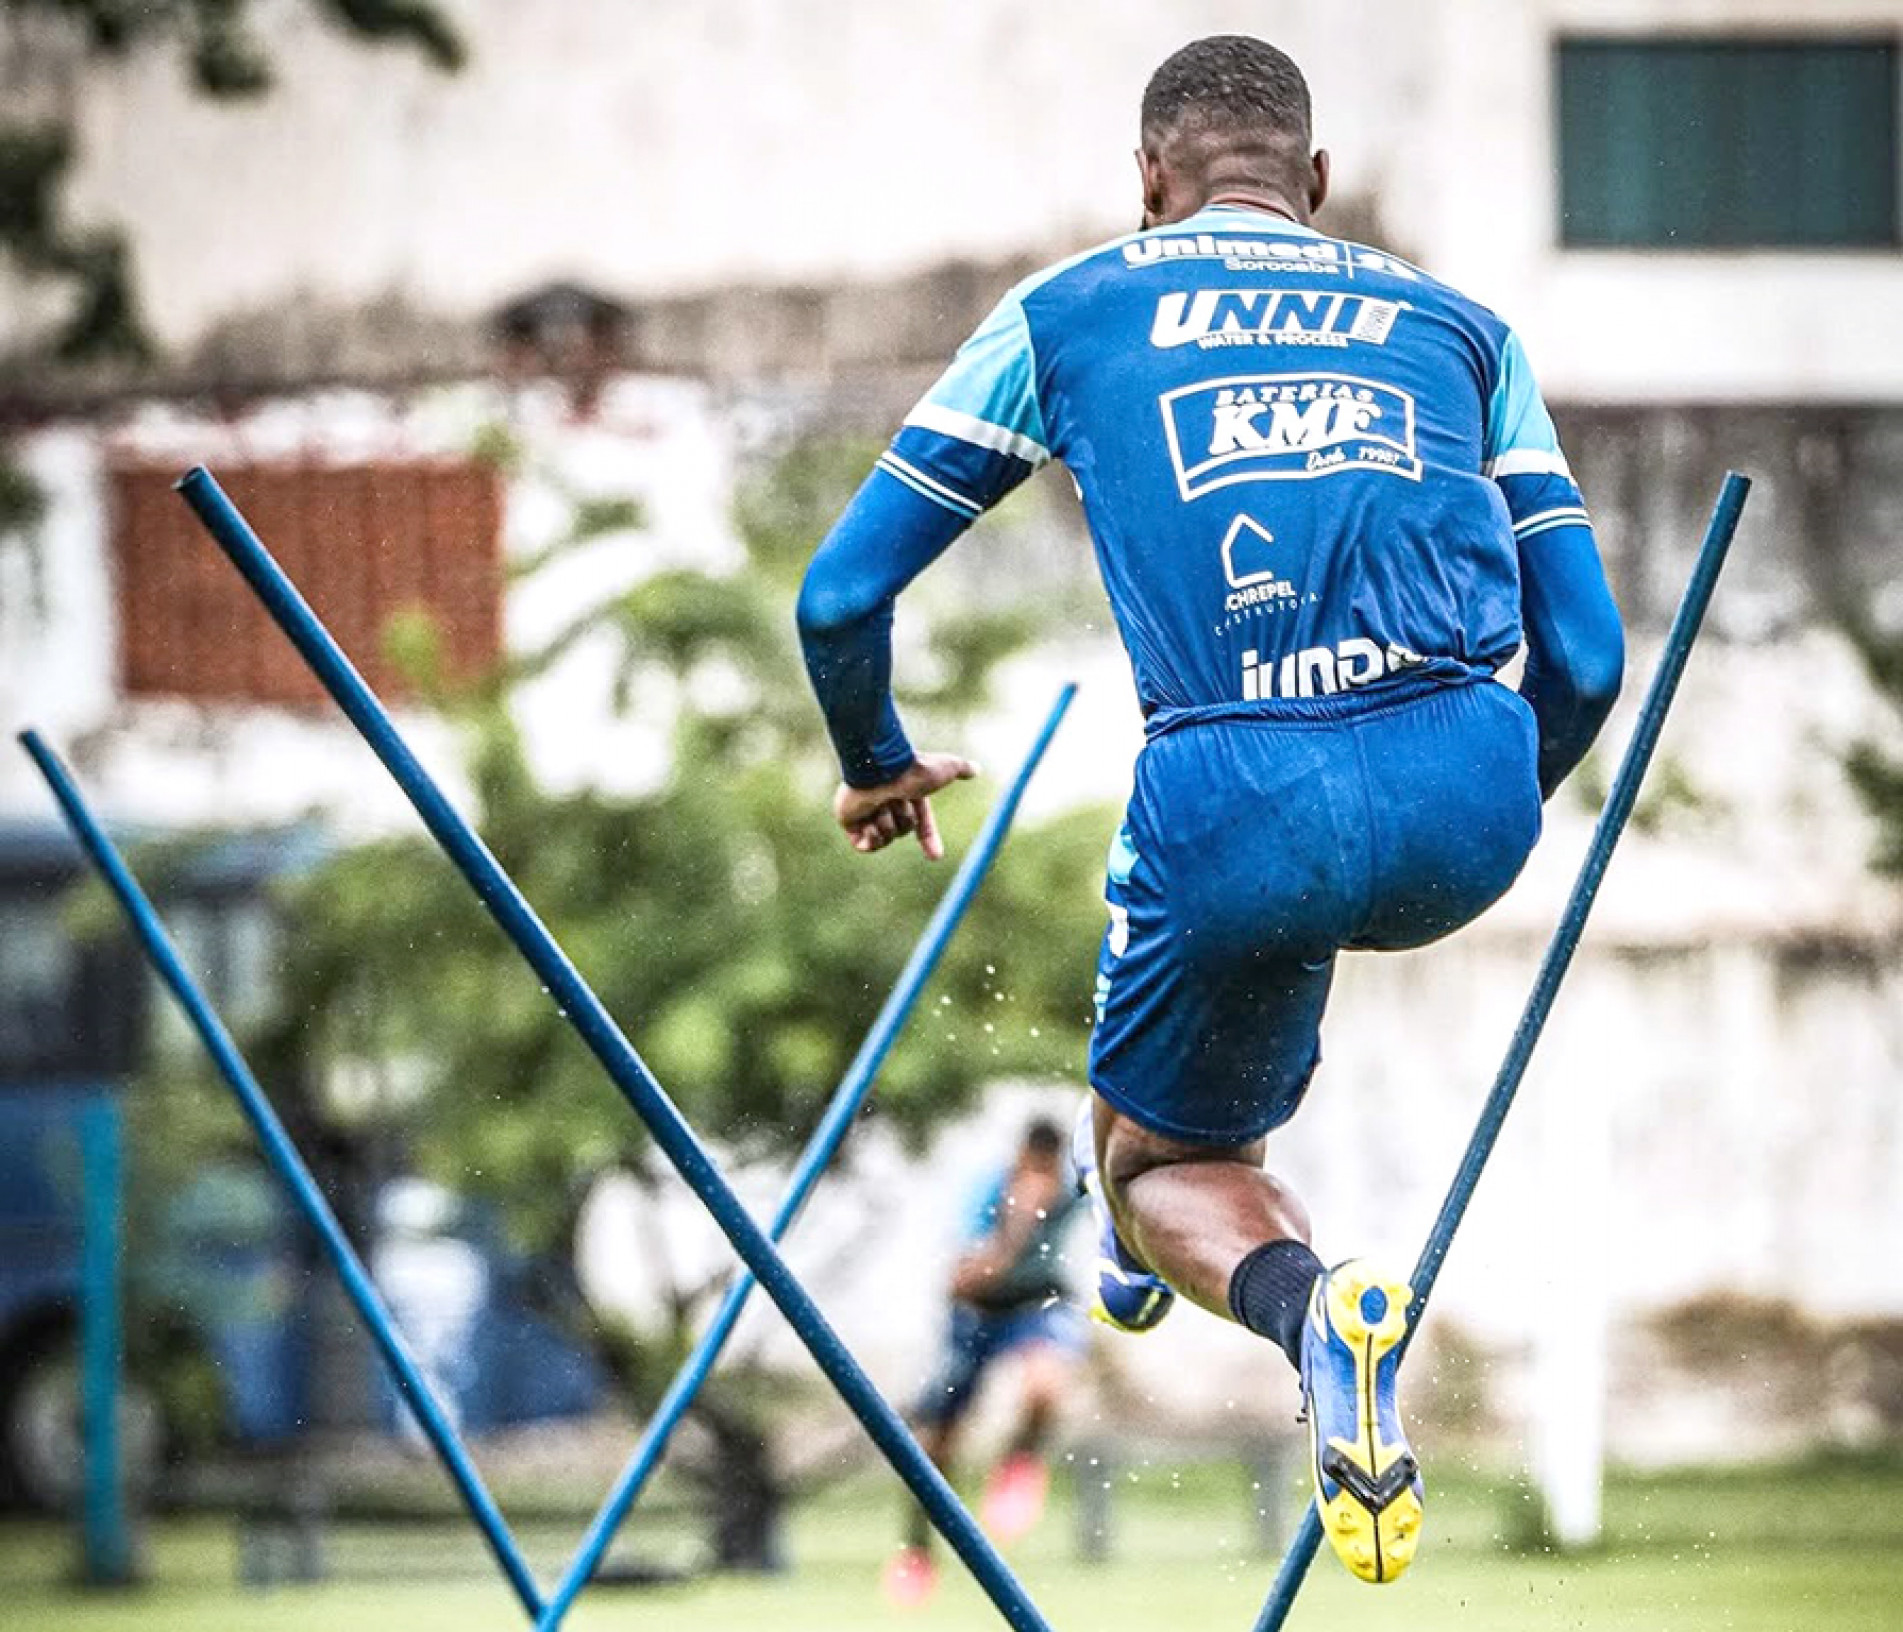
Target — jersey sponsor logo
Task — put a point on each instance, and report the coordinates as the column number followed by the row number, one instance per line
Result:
column 1322, row 255
column 1320, row 671
column 1286, row 427
column 1271, row 317
column 1253, row 578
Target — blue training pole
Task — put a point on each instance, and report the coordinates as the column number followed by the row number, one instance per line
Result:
column 833, row 1127
column 106, row 1544
column 596, row 1027
column 290, row 1168
column 1559, row 957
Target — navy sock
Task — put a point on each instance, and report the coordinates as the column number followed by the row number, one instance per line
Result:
column 1269, row 1292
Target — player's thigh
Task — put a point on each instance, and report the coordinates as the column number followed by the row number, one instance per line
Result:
column 1047, row 1343
column 1234, row 880
column 1249, row 839
column 1045, row 1372
column 1453, row 785
column 1207, row 1052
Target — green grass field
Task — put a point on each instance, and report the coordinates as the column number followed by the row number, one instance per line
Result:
column 1781, row 1550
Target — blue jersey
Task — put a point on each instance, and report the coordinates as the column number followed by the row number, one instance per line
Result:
column 1037, row 1273
column 1304, row 463
column 1307, row 468
column 1326, row 500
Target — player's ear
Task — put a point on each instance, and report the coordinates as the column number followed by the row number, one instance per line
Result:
column 1318, row 180
column 1150, row 175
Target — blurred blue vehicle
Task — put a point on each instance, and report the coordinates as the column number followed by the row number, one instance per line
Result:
column 222, row 1273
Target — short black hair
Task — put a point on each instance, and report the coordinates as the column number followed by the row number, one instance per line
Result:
column 1228, row 83
column 1043, row 1137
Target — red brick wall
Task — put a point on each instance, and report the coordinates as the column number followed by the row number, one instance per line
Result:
column 362, row 542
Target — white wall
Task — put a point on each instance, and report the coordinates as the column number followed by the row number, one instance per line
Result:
column 686, row 143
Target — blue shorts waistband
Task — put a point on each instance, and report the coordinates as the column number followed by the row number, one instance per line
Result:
column 1327, row 709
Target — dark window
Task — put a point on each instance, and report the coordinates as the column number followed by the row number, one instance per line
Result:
column 1728, row 143
column 365, row 544
column 39, row 970
column 74, row 989
column 231, row 943
column 67, row 1010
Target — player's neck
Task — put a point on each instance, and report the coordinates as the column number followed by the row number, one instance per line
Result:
column 1251, row 198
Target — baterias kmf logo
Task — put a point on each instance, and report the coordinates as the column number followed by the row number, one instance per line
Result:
column 1285, row 427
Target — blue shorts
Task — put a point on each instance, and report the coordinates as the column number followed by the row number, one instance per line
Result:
column 1262, row 840
column 975, row 1338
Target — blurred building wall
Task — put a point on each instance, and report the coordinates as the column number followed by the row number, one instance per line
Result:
column 687, row 145
column 801, row 211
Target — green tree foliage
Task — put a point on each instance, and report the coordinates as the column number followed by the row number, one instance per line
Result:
column 723, row 919
column 741, row 942
column 92, row 266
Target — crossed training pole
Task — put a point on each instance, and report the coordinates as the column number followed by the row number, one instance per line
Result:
column 411, row 1382
column 1553, row 967
column 833, row 1127
column 625, row 1068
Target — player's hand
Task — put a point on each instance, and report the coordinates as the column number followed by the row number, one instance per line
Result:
column 874, row 817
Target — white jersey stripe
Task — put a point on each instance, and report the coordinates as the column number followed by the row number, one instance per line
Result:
column 926, row 488
column 1527, row 462
column 980, row 433
column 943, row 489
column 1547, row 520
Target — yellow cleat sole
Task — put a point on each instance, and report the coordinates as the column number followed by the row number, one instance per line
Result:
column 1375, row 1545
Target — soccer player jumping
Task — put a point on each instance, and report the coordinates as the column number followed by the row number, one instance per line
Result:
column 1328, row 505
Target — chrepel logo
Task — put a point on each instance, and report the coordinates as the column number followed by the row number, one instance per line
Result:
column 1286, row 427
column 1248, row 562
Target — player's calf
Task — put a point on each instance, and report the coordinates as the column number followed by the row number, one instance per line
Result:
column 1191, row 1213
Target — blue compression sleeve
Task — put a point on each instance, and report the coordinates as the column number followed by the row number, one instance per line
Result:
column 888, row 535
column 1575, row 647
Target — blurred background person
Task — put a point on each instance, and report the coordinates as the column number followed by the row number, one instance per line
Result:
column 1009, row 1297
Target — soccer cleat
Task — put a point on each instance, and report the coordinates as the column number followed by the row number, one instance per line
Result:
column 1014, row 1497
column 1367, row 1482
column 910, row 1578
column 1129, row 1298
